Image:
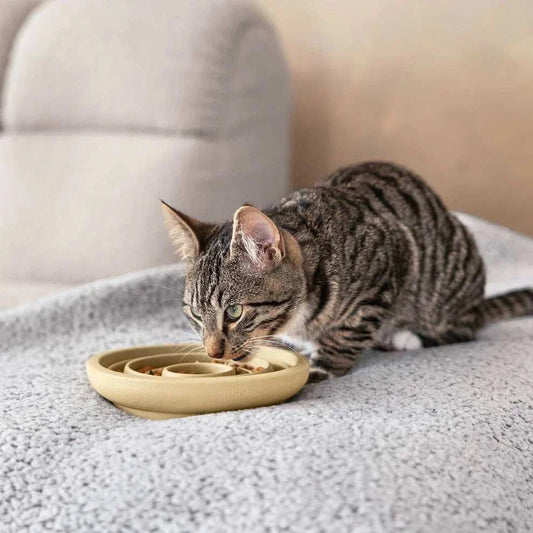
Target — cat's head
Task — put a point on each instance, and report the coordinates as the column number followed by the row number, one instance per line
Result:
column 244, row 278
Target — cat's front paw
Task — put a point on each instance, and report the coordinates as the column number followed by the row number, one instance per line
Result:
column 317, row 374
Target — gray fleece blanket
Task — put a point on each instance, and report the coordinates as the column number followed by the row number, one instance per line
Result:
column 433, row 440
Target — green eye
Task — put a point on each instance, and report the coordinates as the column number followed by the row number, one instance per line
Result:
column 198, row 317
column 234, row 312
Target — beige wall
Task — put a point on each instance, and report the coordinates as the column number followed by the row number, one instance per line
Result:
column 444, row 87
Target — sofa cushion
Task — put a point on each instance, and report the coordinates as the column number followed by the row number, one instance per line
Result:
column 135, row 66
column 77, row 207
column 12, row 15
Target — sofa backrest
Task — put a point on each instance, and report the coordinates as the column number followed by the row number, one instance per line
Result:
column 12, row 15
column 119, row 65
column 109, row 105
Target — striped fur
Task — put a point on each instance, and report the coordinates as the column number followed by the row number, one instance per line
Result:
column 508, row 305
column 369, row 251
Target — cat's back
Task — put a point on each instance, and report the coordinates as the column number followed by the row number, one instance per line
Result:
column 376, row 192
column 391, row 191
column 388, row 189
column 368, row 191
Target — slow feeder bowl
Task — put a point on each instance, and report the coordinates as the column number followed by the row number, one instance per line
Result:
column 190, row 382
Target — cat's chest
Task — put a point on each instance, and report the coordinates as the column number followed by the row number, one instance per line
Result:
column 296, row 332
column 297, row 325
column 303, row 346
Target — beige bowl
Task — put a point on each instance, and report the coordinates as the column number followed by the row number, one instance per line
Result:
column 115, row 376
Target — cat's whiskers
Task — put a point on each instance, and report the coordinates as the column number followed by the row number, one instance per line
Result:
column 172, row 289
column 180, row 280
column 272, row 340
column 169, row 299
column 252, row 345
column 193, row 351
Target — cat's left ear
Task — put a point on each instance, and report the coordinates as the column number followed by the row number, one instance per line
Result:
column 187, row 234
column 255, row 235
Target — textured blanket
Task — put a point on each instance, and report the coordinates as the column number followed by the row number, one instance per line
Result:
column 432, row 440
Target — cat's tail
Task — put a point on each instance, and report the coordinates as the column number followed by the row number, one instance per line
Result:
column 509, row 305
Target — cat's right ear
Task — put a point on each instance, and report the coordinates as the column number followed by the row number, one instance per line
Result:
column 187, row 234
column 256, row 235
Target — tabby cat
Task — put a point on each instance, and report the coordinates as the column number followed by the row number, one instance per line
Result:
column 370, row 257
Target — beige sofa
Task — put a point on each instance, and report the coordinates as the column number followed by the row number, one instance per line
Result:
column 108, row 105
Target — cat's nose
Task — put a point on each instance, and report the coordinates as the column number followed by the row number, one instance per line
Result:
column 215, row 354
column 214, row 346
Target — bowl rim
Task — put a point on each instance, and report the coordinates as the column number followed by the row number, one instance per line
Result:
column 94, row 362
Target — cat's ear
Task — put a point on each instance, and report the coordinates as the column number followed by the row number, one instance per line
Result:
column 256, row 236
column 187, row 234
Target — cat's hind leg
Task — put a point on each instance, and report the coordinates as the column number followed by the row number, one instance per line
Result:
column 463, row 329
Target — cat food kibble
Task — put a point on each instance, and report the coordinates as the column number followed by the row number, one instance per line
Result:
column 241, row 368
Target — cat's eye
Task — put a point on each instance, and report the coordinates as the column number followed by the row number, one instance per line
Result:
column 234, row 312
column 195, row 315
